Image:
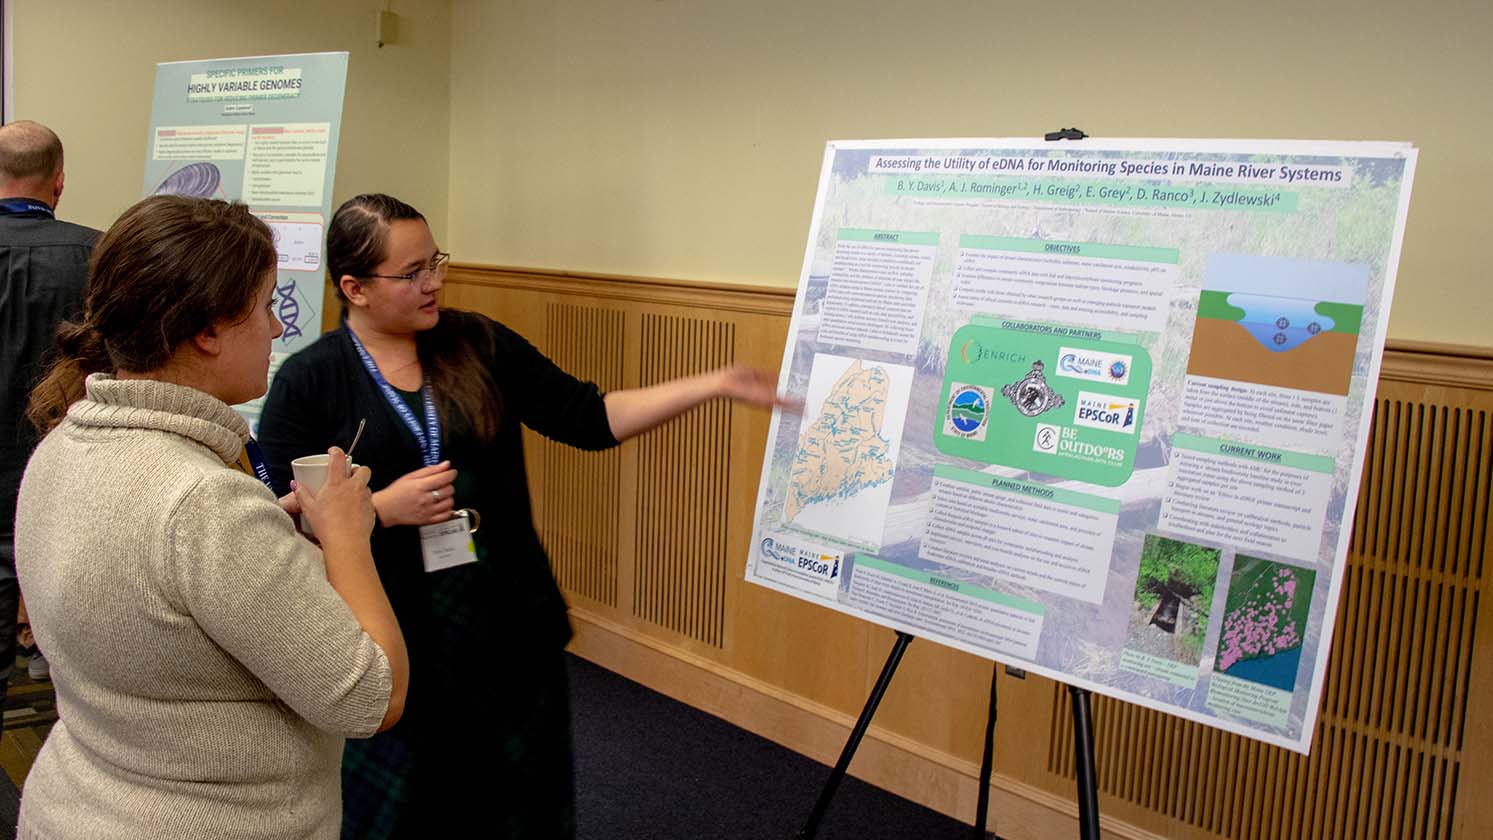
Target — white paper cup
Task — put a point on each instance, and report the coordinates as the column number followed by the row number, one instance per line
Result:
column 311, row 473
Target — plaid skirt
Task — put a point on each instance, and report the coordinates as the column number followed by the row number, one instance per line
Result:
column 471, row 768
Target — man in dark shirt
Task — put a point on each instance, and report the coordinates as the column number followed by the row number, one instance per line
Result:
column 45, row 262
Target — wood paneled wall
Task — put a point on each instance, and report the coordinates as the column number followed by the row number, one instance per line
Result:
column 650, row 543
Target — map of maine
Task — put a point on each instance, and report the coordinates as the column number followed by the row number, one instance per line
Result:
column 843, row 452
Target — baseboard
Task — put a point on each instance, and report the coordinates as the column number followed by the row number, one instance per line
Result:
column 905, row 767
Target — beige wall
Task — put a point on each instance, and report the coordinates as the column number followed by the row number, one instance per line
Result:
column 683, row 139
column 87, row 69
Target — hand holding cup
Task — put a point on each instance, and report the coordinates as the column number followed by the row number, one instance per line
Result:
column 334, row 496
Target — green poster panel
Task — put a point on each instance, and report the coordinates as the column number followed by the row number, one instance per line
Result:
column 1049, row 402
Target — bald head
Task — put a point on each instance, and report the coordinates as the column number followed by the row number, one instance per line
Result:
column 30, row 162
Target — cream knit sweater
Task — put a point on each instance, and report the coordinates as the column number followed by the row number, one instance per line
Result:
column 206, row 672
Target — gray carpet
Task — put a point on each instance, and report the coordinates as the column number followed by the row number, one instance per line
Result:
column 651, row 768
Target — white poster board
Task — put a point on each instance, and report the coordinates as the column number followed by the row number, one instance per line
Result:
column 1094, row 409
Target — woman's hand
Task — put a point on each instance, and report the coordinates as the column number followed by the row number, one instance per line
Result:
column 290, row 504
column 636, row 410
column 343, row 508
column 750, row 385
column 423, row 497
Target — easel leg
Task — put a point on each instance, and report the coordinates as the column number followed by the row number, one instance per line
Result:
column 987, row 761
column 1083, row 753
column 811, row 826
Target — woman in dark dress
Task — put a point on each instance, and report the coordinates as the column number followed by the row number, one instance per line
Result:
column 484, row 745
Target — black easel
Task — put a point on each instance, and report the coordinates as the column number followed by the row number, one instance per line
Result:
column 837, row 775
column 1083, row 749
column 1083, row 754
column 987, row 761
column 1083, row 722
column 1083, row 718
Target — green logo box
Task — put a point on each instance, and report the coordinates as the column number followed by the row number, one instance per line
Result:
column 1054, row 400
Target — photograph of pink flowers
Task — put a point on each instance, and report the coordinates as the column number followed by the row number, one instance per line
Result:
column 1264, row 622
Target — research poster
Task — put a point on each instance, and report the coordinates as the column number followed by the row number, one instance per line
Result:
column 1094, row 409
column 262, row 131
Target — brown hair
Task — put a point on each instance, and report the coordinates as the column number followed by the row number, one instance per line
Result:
column 165, row 271
column 357, row 241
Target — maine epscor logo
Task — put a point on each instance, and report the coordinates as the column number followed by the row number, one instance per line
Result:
column 1104, row 411
column 968, row 412
column 1093, row 366
column 805, row 560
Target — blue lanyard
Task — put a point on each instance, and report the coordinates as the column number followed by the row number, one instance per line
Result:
column 428, row 437
column 256, row 460
column 25, row 206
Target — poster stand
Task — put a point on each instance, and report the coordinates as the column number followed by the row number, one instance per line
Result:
column 987, row 758
column 1083, row 749
column 837, row 775
column 1083, row 722
column 1083, row 754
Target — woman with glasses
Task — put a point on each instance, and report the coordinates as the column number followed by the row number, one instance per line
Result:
column 484, row 745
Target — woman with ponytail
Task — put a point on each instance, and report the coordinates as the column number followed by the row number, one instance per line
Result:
column 208, row 660
column 445, row 394
column 81, row 352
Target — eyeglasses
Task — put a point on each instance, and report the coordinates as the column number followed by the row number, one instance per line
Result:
column 435, row 271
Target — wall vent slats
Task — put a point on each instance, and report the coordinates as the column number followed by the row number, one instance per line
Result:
column 683, row 486
column 1387, row 756
column 580, row 491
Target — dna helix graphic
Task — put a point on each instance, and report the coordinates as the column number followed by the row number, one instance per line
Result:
column 289, row 310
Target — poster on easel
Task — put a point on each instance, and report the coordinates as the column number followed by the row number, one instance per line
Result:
column 263, row 131
column 1092, row 409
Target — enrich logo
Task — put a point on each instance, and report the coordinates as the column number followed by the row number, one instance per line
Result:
column 1103, row 411
column 1111, row 368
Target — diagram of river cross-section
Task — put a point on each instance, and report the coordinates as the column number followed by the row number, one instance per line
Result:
column 1277, row 321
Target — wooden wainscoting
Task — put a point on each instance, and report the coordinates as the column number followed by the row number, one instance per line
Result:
column 650, row 543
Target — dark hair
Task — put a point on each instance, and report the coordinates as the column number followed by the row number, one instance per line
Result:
column 359, row 234
column 166, row 270
column 357, row 241
column 29, row 150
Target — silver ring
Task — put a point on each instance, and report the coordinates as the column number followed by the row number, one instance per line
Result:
column 435, row 494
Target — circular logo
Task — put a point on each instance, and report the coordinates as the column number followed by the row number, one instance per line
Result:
column 1046, row 439
column 1033, row 396
column 1117, row 370
column 967, row 409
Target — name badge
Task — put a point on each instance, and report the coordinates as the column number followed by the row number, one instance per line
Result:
column 448, row 544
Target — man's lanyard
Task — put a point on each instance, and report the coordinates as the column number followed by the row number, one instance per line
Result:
column 25, row 207
column 252, row 462
column 428, row 437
